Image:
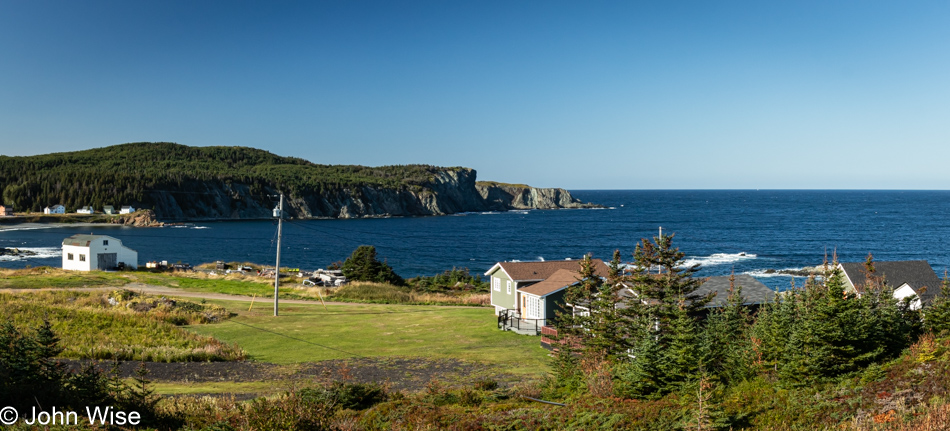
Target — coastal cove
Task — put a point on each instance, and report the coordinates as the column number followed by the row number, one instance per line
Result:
column 723, row 230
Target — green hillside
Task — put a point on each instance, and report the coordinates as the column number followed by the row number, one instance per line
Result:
column 124, row 174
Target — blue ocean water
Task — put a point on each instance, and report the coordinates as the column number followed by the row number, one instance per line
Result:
column 775, row 229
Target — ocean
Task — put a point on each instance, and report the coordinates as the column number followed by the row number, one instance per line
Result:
column 746, row 231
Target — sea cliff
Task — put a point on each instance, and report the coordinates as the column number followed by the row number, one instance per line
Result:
column 449, row 191
column 184, row 183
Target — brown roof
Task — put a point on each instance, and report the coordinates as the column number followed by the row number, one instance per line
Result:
column 526, row 271
column 558, row 280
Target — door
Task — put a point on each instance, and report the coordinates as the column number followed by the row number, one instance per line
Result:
column 107, row 260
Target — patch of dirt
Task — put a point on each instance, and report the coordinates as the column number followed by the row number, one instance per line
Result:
column 399, row 374
column 185, row 372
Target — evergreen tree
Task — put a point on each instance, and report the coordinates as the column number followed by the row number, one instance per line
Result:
column 937, row 316
column 726, row 349
column 667, row 351
column 362, row 265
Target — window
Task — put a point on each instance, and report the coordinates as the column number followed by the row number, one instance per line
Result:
column 509, row 287
column 105, row 242
column 533, row 307
column 69, row 256
column 82, row 258
column 496, row 284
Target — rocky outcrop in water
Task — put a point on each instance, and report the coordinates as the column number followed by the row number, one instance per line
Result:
column 519, row 196
column 450, row 191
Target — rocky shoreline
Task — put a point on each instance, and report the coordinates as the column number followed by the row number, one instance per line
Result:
column 450, row 191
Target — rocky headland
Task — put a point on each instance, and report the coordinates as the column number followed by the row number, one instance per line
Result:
column 450, row 191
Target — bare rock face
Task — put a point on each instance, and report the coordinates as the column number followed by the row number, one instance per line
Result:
column 451, row 190
column 144, row 218
column 517, row 196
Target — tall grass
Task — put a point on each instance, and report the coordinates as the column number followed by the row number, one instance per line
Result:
column 383, row 293
column 121, row 325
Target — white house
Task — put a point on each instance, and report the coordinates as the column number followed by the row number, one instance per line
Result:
column 909, row 278
column 126, row 210
column 108, row 209
column 85, row 210
column 91, row 252
column 55, row 209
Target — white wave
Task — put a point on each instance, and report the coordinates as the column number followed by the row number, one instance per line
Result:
column 41, row 253
column 762, row 273
column 540, row 258
column 717, row 259
column 201, row 227
column 11, row 229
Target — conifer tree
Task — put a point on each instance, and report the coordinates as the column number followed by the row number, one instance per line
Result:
column 666, row 352
column 937, row 316
column 726, row 350
column 607, row 323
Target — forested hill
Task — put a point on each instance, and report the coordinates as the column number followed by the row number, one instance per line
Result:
column 181, row 182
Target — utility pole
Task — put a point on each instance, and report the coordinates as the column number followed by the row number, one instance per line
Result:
column 280, row 225
column 659, row 270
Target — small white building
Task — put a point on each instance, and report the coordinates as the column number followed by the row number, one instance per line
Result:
column 85, row 210
column 127, row 210
column 55, row 209
column 97, row 252
column 108, row 209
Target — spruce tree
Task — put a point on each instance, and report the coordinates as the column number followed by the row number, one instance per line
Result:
column 666, row 351
column 726, row 350
column 937, row 316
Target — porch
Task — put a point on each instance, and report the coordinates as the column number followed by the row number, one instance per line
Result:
column 511, row 320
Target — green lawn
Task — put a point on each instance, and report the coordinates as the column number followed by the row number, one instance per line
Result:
column 308, row 333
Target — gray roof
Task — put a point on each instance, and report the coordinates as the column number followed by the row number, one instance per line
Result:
column 753, row 291
column 83, row 240
column 915, row 273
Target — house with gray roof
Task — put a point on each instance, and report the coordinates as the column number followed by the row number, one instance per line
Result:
column 909, row 278
column 97, row 252
column 753, row 291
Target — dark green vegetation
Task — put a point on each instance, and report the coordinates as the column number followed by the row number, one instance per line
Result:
column 121, row 325
column 30, row 376
column 362, row 265
column 126, row 174
column 453, row 280
column 815, row 342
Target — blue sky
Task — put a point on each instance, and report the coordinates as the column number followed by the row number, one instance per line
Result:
column 582, row 95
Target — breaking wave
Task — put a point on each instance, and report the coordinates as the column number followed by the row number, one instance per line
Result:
column 718, row 259
column 41, row 253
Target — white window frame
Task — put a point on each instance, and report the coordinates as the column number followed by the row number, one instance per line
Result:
column 496, row 284
column 82, row 258
column 69, row 256
column 509, row 287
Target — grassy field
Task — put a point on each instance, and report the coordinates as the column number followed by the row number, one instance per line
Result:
column 231, row 284
column 307, row 333
column 129, row 327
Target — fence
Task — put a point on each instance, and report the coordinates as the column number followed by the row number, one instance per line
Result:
column 510, row 320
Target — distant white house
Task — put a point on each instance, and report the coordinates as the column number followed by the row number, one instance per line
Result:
column 108, row 209
column 127, row 210
column 55, row 209
column 913, row 279
column 85, row 210
column 97, row 252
